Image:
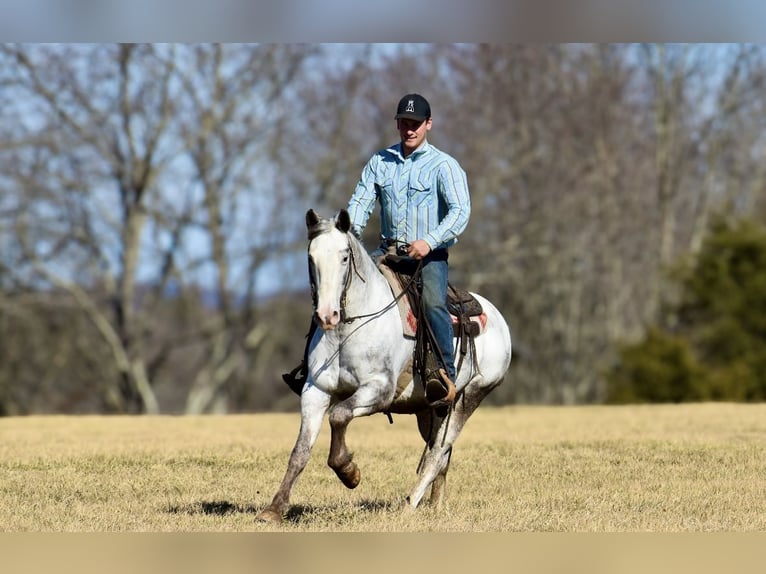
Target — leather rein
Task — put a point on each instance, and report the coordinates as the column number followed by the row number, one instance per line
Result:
column 350, row 272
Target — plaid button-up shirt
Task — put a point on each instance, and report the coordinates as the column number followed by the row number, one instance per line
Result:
column 424, row 196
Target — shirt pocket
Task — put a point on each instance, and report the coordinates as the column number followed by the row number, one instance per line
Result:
column 419, row 193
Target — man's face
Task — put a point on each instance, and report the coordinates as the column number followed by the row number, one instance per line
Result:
column 412, row 133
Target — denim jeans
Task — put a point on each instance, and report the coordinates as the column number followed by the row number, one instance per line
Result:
column 434, row 276
column 435, row 303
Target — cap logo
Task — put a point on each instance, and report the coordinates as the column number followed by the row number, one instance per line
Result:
column 410, row 106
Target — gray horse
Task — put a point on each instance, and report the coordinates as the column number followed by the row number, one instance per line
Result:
column 364, row 366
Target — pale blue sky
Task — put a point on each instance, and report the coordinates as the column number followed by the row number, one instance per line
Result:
column 393, row 21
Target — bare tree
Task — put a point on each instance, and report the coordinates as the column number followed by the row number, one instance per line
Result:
column 583, row 163
column 150, row 195
column 130, row 162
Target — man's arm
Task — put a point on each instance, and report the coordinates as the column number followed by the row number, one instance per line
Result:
column 452, row 187
column 363, row 199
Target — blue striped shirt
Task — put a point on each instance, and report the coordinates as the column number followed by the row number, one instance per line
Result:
column 424, row 196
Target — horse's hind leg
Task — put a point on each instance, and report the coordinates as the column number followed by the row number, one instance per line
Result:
column 426, row 421
column 435, row 462
column 436, row 459
column 439, row 486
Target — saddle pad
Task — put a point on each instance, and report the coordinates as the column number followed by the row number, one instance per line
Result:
column 457, row 299
column 409, row 321
column 477, row 324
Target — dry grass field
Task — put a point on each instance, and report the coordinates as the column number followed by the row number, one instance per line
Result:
column 668, row 468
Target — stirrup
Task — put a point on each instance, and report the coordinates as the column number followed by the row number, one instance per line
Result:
column 440, row 390
column 296, row 378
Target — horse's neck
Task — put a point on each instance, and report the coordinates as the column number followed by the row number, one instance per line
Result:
column 374, row 292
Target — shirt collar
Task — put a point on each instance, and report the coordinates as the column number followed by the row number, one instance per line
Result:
column 425, row 147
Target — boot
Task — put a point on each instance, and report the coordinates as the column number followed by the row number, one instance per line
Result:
column 440, row 390
column 296, row 378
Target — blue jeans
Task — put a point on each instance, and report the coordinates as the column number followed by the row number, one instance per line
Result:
column 434, row 276
column 435, row 303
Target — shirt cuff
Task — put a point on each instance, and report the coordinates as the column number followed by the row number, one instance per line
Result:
column 432, row 241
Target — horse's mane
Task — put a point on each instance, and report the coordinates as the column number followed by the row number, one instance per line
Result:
column 359, row 249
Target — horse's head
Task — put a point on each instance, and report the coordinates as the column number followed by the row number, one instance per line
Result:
column 330, row 256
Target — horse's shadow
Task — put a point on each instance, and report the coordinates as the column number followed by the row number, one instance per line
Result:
column 297, row 513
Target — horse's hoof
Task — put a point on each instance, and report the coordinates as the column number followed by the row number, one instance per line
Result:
column 350, row 475
column 269, row 515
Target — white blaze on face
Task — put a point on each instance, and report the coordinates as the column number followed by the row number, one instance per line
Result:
column 329, row 253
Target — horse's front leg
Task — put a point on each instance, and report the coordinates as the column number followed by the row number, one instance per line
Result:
column 368, row 399
column 314, row 404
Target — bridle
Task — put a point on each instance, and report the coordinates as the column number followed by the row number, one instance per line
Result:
column 352, row 270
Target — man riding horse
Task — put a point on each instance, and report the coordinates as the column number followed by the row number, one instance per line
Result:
column 424, row 207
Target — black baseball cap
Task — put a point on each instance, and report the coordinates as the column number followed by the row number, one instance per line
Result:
column 413, row 107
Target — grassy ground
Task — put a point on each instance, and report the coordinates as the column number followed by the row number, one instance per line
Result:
column 562, row 469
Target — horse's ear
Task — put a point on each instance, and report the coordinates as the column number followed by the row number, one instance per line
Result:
column 311, row 218
column 343, row 221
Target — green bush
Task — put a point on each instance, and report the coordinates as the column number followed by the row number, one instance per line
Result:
column 717, row 348
column 659, row 369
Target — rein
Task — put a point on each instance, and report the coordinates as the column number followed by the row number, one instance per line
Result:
column 347, row 283
column 392, row 304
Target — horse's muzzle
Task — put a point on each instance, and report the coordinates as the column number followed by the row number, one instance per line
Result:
column 327, row 319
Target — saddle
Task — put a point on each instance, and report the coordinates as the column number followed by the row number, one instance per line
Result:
column 468, row 318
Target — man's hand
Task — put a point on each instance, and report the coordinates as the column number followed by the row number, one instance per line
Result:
column 418, row 249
